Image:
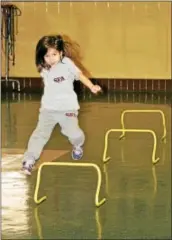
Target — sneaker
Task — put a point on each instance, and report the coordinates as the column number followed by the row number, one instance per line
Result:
column 77, row 153
column 27, row 168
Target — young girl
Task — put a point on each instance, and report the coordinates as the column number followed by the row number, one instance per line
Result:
column 59, row 102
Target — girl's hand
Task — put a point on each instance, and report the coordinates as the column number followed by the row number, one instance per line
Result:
column 95, row 89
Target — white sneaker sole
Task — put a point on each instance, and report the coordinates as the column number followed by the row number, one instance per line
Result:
column 26, row 172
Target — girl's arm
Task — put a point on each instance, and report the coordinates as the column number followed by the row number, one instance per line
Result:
column 93, row 88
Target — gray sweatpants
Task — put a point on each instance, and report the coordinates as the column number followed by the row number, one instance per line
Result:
column 68, row 122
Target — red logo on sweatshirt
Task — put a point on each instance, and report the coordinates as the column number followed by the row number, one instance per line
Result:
column 59, row 79
column 70, row 114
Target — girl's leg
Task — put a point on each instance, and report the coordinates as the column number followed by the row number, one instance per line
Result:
column 39, row 138
column 70, row 128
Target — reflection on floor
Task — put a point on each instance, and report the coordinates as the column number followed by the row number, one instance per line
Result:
column 138, row 193
column 15, row 188
column 12, row 157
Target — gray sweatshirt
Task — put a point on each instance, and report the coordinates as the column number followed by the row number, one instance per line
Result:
column 59, row 91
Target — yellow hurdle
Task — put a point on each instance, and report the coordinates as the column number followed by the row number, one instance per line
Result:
column 97, row 202
column 154, row 160
column 144, row 111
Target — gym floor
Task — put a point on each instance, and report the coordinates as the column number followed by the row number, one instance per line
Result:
column 137, row 192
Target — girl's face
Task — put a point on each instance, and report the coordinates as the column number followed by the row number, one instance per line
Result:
column 52, row 56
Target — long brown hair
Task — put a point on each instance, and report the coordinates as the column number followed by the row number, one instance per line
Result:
column 53, row 41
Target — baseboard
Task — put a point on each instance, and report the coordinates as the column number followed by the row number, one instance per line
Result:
column 29, row 85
